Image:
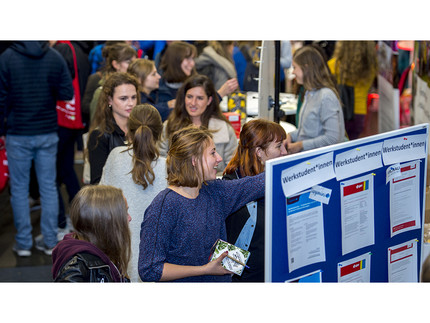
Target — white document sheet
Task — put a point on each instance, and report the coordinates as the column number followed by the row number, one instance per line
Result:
column 405, row 200
column 356, row 270
column 403, row 263
column 305, row 231
column 357, row 213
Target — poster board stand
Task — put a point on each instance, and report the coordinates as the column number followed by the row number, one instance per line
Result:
column 346, row 209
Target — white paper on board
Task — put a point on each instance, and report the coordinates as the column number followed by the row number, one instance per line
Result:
column 320, row 194
column 355, row 270
column 393, row 171
column 403, row 263
column 357, row 213
column 305, row 231
column 358, row 160
column 405, row 200
column 307, row 174
column 404, row 148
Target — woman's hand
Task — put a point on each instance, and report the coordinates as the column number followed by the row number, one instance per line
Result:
column 295, row 147
column 228, row 87
column 171, row 103
column 173, row 272
column 215, row 267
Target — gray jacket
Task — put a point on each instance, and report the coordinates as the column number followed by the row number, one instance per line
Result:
column 217, row 68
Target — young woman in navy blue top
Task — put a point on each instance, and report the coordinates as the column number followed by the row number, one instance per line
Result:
column 185, row 220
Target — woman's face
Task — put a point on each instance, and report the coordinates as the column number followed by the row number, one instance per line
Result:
column 196, row 102
column 187, row 65
column 123, row 101
column 151, row 82
column 297, row 71
column 210, row 161
column 275, row 149
column 123, row 65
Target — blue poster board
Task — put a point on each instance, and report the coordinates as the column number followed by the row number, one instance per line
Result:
column 276, row 239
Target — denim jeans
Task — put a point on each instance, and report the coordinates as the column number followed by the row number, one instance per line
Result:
column 21, row 150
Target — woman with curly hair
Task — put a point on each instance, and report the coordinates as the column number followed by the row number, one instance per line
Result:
column 354, row 63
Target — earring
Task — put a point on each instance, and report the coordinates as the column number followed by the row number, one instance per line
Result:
column 110, row 106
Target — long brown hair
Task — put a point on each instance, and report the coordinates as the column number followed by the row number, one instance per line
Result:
column 170, row 64
column 316, row 73
column 356, row 61
column 187, row 144
column 255, row 133
column 99, row 215
column 103, row 117
column 144, row 131
column 179, row 117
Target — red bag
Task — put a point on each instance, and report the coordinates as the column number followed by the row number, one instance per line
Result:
column 4, row 169
column 69, row 112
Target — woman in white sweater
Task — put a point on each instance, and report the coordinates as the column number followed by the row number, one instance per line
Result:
column 138, row 170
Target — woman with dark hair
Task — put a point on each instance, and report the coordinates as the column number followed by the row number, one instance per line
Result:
column 117, row 56
column 321, row 117
column 99, row 248
column 197, row 104
column 119, row 96
column 260, row 140
column 177, row 64
column 184, row 221
column 138, row 170
column 149, row 81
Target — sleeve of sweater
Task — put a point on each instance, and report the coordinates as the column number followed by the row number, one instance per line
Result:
column 236, row 193
column 155, row 234
column 98, row 152
column 330, row 120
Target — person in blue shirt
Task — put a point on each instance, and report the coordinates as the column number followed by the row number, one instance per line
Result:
column 184, row 221
column 260, row 140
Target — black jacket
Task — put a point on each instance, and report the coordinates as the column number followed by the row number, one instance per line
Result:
column 99, row 149
column 85, row 267
column 234, row 225
column 33, row 77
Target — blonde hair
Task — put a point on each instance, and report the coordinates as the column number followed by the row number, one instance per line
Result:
column 99, row 215
column 356, row 61
column 141, row 68
column 187, row 144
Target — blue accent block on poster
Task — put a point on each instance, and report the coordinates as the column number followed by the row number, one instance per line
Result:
column 276, row 245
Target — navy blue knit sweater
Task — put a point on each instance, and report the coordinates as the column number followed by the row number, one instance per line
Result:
column 181, row 231
column 33, row 77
